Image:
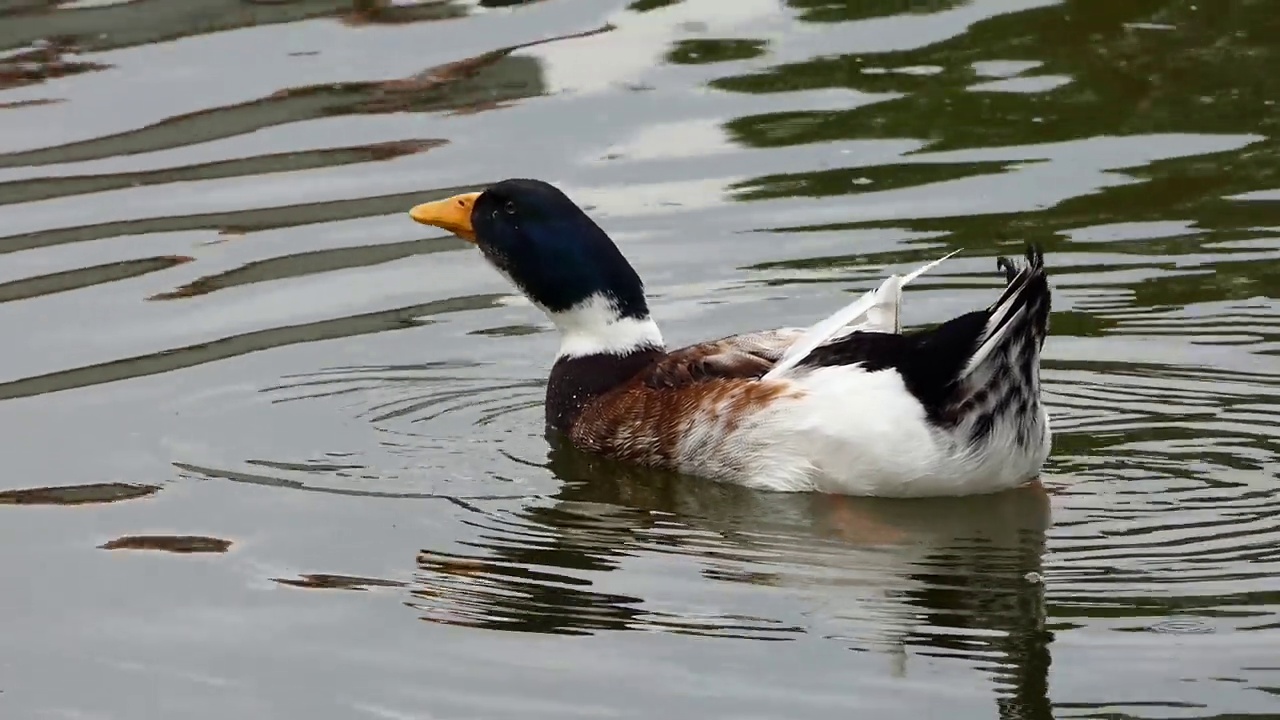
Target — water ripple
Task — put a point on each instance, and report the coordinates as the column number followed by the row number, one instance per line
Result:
column 209, row 278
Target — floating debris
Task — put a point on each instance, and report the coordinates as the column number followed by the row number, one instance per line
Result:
column 169, row 543
column 337, row 582
column 76, row 494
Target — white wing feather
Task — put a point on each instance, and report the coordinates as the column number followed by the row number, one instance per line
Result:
column 878, row 309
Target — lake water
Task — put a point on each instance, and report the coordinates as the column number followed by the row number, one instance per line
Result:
column 272, row 450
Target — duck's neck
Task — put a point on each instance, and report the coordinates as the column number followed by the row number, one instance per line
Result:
column 600, row 349
column 595, row 326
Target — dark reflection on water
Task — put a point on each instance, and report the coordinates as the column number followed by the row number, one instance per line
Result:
column 302, row 264
column 68, row 280
column 234, row 346
column 229, row 223
column 42, row 189
column 476, row 84
column 1132, row 68
column 952, row 578
column 102, row 26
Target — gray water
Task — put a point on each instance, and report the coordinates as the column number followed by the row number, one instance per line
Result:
column 271, row 450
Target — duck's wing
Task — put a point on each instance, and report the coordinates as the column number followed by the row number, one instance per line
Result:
column 856, row 330
column 876, row 311
column 747, row 356
column 944, row 365
column 753, row 355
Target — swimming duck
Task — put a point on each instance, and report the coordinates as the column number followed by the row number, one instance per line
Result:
column 850, row 405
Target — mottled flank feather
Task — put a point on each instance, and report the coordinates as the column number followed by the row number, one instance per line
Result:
column 642, row 424
column 645, row 418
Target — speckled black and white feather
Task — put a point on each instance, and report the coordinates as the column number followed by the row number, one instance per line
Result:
column 995, row 406
column 1000, row 383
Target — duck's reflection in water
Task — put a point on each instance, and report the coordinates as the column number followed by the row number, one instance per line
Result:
column 956, row 577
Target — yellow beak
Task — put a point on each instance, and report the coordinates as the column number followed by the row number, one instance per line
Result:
column 451, row 214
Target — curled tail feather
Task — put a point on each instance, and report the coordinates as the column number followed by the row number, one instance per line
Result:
column 1021, row 313
column 1001, row 379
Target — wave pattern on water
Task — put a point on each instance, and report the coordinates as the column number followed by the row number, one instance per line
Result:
column 208, row 278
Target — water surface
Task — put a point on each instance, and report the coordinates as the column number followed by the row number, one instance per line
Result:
column 274, row 451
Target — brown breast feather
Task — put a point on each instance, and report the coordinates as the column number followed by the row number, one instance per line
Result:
column 643, row 420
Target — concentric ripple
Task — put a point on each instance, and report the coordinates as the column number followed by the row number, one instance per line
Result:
column 419, row 424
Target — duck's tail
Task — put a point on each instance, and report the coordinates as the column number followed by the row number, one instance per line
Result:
column 975, row 373
column 1016, row 323
column 1001, row 378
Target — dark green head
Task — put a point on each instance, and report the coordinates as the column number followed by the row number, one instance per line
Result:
column 544, row 243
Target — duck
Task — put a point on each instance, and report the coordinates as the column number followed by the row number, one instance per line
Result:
column 849, row 405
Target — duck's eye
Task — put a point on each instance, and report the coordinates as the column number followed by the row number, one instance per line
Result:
column 510, row 208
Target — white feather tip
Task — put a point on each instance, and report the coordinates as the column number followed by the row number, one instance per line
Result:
column 878, row 308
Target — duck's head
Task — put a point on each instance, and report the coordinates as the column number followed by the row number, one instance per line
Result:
column 558, row 258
